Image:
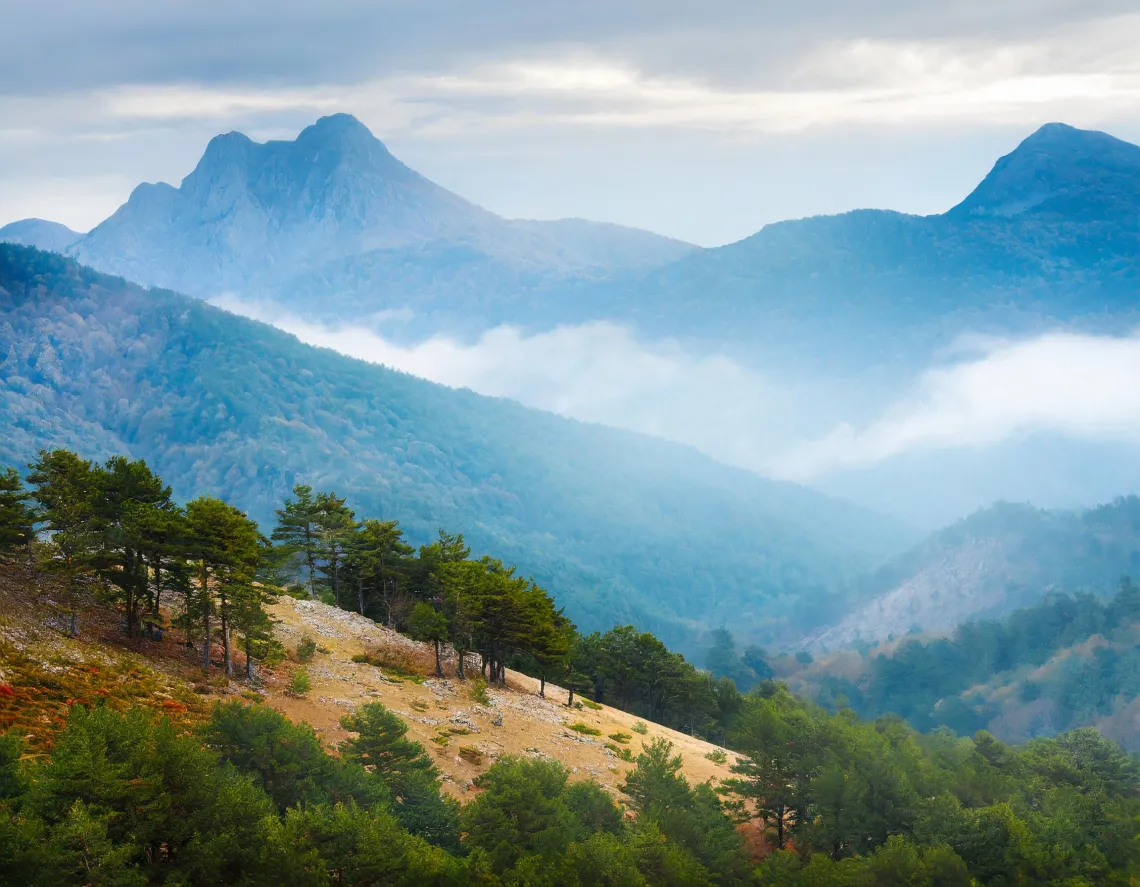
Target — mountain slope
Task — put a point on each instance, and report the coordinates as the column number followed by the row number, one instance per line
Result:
column 992, row 562
column 39, row 233
column 325, row 210
column 618, row 526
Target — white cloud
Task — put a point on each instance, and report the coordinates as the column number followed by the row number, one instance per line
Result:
column 988, row 391
column 596, row 372
column 1080, row 386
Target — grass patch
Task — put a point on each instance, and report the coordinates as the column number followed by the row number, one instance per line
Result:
column 306, row 648
column 589, row 703
column 585, row 729
column 458, row 731
column 472, row 755
column 441, row 740
column 624, row 753
column 718, row 756
column 418, row 705
column 623, row 738
column 640, row 727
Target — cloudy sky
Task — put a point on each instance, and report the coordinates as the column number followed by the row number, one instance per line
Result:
column 703, row 121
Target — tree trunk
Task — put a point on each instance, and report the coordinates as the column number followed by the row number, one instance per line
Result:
column 360, row 592
column 226, row 637
column 312, row 575
column 157, row 587
column 570, row 698
column 438, row 661
column 205, row 618
column 542, row 686
column 248, row 660
column 462, row 655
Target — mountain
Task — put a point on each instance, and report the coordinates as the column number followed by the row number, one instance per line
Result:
column 39, row 233
column 333, row 225
column 1061, row 173
column 987, row 565
column 1052, row 234
column 334, row 216
column 618, row 526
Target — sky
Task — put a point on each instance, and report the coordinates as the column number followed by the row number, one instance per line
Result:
column 701, row 121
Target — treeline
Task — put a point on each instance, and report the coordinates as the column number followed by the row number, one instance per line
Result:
column 114, row 529
column 250, row 798
column 923, row 680
column 254, row 799
column 440, row 594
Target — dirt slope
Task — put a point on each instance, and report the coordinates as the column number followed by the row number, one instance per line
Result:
column 43, row 671
column 437, row 711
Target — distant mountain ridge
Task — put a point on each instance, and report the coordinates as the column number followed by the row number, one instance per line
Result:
column 333, row 220
column 333, row 226
column 39, row 233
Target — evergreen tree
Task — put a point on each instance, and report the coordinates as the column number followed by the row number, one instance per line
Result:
column 66, row 490
column 298, row 530
column 17, row 520
column 226, row 547
column 426, row 624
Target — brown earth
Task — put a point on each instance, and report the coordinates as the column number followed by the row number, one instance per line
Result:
column 438, row 711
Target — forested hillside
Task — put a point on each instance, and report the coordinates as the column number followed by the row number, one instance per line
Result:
column 987, row 565
column 1068, row 661
column 619, row 527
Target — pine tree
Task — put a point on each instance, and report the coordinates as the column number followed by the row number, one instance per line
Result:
column 336, row 526
column 226, row 546
column 298, row 525
column 66, row 489
column 17, row 520
column 427, row 624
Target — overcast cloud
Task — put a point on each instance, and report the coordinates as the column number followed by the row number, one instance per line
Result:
column 702, row 122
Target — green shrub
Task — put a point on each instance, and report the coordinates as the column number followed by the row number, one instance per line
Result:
column 479, row 692
column 299, row 685
column 620, row 737
column 589, row 703
column 640, row 727
column 585, row 729
column 306, row 649
column 717, row 756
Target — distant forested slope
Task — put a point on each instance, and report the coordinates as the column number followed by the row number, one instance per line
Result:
column 1069, row 661
column 987, row 565
column 619, row 526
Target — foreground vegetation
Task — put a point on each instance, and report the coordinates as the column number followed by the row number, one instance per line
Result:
column 125, row 797
column 249, row 798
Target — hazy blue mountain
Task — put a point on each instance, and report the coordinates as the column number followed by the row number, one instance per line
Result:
column 619, row 526
column 334, row 217
column 987, row 565
column 1051, row 235
column 39, row 233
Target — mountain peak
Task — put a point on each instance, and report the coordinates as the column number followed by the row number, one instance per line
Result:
column 1060, row 170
